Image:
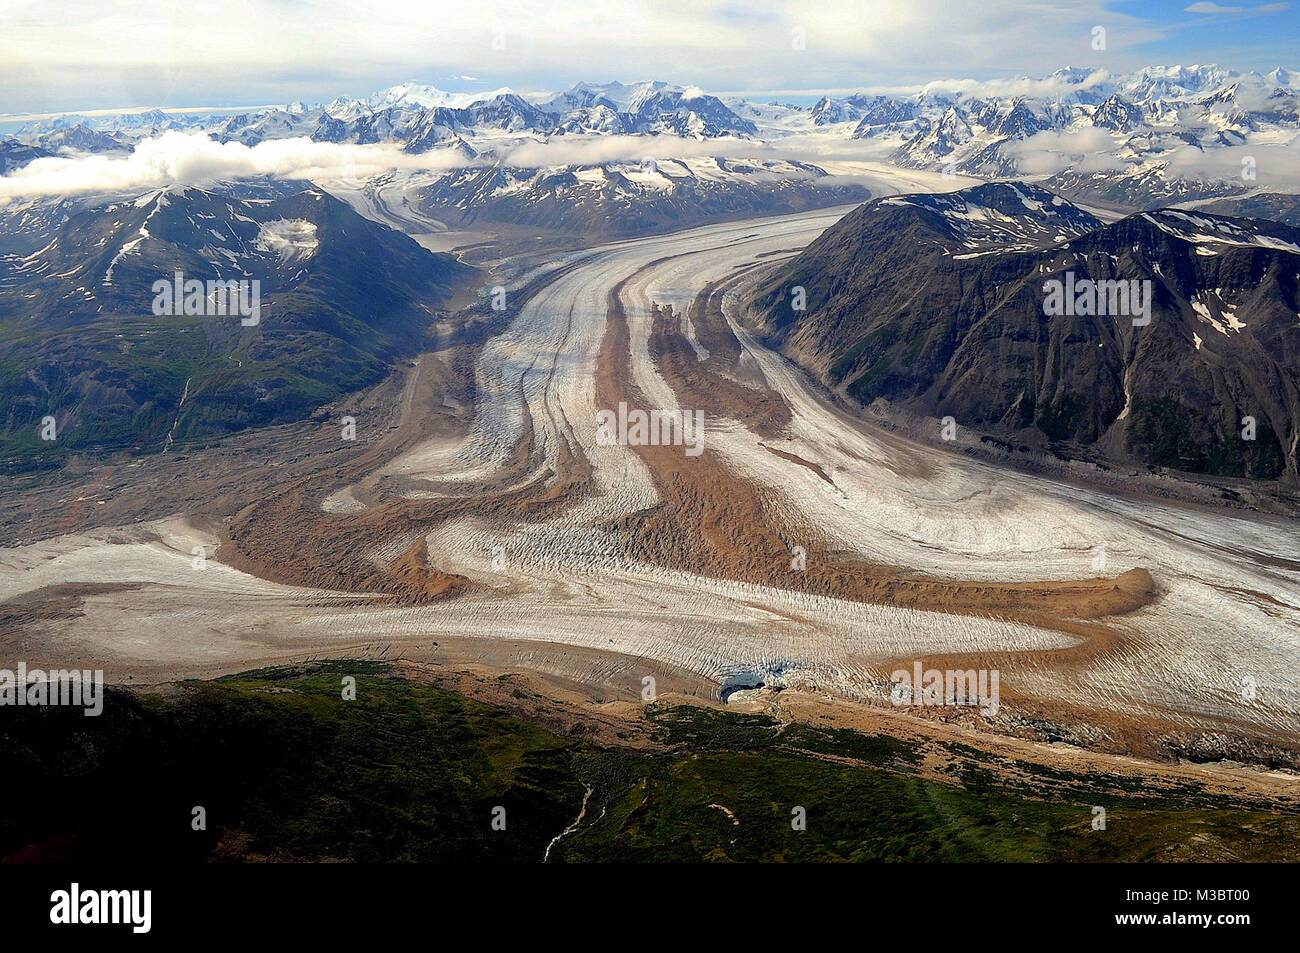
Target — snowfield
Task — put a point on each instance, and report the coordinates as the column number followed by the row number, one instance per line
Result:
column 290, row 239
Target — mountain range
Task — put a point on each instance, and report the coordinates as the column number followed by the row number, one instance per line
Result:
column 1159, row 135
column 626, row 199
column 932, row 302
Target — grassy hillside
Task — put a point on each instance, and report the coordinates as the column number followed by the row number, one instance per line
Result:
column 287, row 769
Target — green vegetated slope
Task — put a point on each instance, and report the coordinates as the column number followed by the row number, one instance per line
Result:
column 286, row 769
column 341, row 299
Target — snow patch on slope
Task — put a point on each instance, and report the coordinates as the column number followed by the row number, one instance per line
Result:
column 291, row 239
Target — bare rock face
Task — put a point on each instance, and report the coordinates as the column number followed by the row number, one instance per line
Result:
column 940, row 304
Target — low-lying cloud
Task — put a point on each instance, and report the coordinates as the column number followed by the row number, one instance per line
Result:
column 177, row 158
column 194, row 159
column 1087, row 150
column 1275, row 167
column 1058, row 84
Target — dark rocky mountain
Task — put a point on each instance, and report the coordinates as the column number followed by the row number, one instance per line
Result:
column 1118, row 114
column 341, row 297
column 1274, row 206
column 907, row 304
column 434, row 127
column 1141, row 187
column 1014, row 120
column 934, row 145
column 999, row 216
column 25, row 226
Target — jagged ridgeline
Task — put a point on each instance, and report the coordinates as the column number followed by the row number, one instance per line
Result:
column 940, row 304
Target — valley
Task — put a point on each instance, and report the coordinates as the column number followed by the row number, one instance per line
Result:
column 481, row 525
column 597, row 432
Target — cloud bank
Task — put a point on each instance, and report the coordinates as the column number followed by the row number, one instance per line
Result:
column 179, row 158
column 1088, row 150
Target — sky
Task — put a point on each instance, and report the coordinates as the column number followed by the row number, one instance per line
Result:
column 73, row 55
